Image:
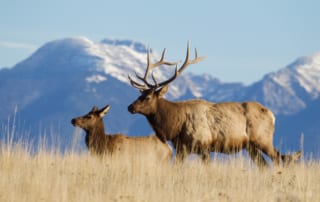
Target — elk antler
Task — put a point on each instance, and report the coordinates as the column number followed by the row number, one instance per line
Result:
column 187, row 62
column 147, row 85
column 150, row 66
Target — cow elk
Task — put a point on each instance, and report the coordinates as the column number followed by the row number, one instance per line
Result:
column 117, row 144
column 198, row 126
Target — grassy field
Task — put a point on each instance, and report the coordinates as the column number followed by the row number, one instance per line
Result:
column 52, row 176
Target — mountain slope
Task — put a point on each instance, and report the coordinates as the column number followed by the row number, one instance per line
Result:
column 290, row 89
column 65, row 78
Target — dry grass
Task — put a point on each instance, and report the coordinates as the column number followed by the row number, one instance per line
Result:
column 48, row 175
column 51, row 176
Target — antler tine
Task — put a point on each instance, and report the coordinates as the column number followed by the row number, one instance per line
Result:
column 154, row 79
column 188, row 61
column 176, row 73
column 150, row 66
column 196, row 59
column 162, row 61
column 144, row 79
column 136, row 84
column 184, row 65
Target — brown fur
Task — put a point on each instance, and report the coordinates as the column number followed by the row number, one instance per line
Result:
column 100, row 144
column 199, row 126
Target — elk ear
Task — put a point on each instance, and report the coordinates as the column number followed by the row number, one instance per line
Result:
column 94, row 109
column 104, row 111
column 162, row 91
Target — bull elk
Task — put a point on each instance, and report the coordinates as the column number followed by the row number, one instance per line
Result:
column 100, row 144
column 199, row 126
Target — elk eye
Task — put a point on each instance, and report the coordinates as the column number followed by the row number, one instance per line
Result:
column 148, row 98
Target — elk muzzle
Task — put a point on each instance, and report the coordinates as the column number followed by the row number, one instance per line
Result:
column 74, row 122
column 131, row 109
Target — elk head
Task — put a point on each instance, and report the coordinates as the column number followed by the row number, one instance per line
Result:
column 92, row 119
column 151, row 93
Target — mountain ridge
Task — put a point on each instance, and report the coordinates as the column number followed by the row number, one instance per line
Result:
column 64, row 78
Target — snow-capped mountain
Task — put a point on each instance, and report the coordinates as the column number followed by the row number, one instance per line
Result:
column 290, row 89
column 65, row 78
column 116, row 58
column 304, row 72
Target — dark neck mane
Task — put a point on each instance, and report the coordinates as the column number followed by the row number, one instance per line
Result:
column 96, row 140
column 164, row 121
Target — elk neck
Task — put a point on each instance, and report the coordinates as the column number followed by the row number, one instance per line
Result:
column 166, row 120
column 96, row 140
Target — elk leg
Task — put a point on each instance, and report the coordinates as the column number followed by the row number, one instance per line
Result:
column 181, row 154
column 205, row 155
column 180, row 157
column 256, row 156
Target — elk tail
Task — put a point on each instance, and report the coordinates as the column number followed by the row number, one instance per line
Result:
column 291, row 158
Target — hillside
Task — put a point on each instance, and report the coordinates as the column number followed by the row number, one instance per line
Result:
column 65, row 78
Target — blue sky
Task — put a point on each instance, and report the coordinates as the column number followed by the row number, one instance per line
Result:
column 243, row 40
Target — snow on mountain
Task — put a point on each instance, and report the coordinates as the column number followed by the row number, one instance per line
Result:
column 65, row 77
column 117, row 58
column 290, row 89
column 305, row 72
column 285, row 92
